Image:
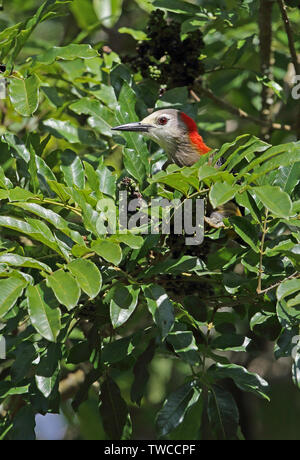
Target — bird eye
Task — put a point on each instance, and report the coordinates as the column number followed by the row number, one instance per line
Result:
column 162, row 120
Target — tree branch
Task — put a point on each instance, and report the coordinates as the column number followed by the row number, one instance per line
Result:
column 293, row 52
column 261, row 252
column 265, row 41
column 293, row 276
column 235, row 110
column 289, row 33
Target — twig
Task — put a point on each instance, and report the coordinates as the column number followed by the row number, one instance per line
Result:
column 62, row 205
column 293, row 52
column 235, row 110
column 289, row 33
column 293, row 276
column 261, row 252
column 265, row 41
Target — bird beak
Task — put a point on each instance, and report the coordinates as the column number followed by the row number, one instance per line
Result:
column 137, row 127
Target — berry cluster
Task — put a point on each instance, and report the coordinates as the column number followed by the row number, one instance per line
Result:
column 131, row 187
column 166, row 58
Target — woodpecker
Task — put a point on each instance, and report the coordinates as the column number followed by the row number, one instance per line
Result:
column 178, row 135
column 175, row 132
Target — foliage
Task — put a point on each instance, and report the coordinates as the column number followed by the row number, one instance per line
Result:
column 78, row 300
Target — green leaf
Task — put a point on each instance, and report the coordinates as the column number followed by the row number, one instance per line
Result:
column 177, row 6
column 69, row 52
column 224, row 257
column 113, row 409
column 125, row 114
column 206, row 172
column 21, row 261
column 189, row 429
column 221, row 192
column 47, row 371
column 184, row 345
column 245, row 380
column 133, row 165
column 260, row 317
column 287, row 288
column 160, row 307
column 228, row 145
column 25, row 354
column 287, row 315
column 232, row 342
column 141, row 374
column 233, row 282
column 193, row 24
column 59, row 189
column 65, row 288
column 173, row 266
column 43, row 311
column 176, row 97
column 106, row 223
column 32, row 169
column 107, row 181
column 175, row 180
column 106, row 94
column 136, row 34
column 107, row 250
column 271, row 84
column 246, row 231
column 10, row 290
column 273, row 157
column 222, row 413
column 44, row 173
column 174, row 408
column 4, row 181
column 93, row 180
column 101, row 118
column 288, row 311
column 7, row 389
column 133, row 241
column 19, row 194
column 108, row 11
column 246, row 200
column 90, row 217
column 71, row 133
column 274, row 199
column 123, row 304
column 285, row 343
column 117, row 351
column 270, row 168
column 79, row 353
column 72, row 169
column 53, row 218
column 87, row 275
column 24, row 94
column 17, row 145
column 53, row 96
column 245, row 151
column 24, row 424
column 287, row 177
column 40, row 233
column 4, row 194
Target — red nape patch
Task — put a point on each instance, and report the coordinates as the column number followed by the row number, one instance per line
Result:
column 194, row 136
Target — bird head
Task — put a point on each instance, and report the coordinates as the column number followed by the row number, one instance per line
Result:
column 174, row 131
